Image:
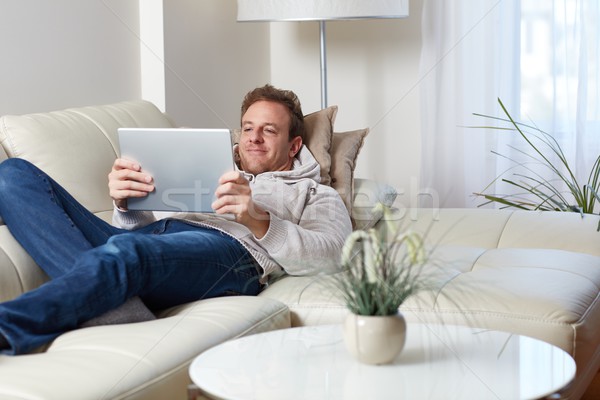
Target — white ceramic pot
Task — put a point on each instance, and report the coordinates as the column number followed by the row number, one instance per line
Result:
column 375, row 339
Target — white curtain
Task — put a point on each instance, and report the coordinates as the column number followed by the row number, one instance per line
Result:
column 540, row 57
column 561, row 94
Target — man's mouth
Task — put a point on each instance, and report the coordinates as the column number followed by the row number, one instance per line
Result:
column 255, row 150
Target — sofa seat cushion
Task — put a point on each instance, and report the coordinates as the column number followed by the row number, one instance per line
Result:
column 525, row 291
column 146, row 360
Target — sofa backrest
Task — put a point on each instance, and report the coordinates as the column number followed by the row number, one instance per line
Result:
column 484, row 228
column 77, row 146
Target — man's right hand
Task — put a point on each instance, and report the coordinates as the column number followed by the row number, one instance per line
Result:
column 127, row 180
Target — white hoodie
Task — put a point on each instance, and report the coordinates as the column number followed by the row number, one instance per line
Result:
column 308, row 226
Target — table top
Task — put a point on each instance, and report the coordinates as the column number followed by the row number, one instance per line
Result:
column 438, row 361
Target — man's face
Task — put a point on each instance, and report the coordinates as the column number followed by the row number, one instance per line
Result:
column 264, row 143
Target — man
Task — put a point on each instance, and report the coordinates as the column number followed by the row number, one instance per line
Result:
column 284, row 221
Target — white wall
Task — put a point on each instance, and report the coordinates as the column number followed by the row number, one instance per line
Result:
column 65, row 53
column 152, row 52
column 211, row 61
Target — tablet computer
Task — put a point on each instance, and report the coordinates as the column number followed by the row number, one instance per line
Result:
column 185, row 163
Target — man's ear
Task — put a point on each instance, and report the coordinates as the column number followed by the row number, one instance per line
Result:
column 296, row 145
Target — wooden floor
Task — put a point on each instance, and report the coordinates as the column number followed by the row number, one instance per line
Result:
column 593, row 392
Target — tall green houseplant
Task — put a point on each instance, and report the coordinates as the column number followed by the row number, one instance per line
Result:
column 534, row 191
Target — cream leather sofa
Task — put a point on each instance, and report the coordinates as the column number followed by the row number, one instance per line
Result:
column 536, row 274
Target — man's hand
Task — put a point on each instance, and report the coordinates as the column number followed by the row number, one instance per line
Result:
column 126, row 180
column 234, row 196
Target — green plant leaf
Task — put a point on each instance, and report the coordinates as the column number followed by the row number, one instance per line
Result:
column 534, row 186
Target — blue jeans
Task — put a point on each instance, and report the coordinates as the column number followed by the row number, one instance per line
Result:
column 95, row 267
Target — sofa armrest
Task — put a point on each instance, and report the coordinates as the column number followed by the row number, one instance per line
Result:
column 56, row 141
column 85, row 137
column 18, row 272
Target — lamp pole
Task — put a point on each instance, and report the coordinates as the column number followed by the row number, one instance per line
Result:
column 323, row 64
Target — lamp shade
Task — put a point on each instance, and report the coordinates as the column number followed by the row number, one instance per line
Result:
column 318, row 10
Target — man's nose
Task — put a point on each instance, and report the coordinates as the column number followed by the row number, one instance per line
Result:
column 256, row 135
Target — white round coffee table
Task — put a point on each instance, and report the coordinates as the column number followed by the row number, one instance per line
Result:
column 438, row 362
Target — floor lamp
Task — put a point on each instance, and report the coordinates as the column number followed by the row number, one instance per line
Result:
column 319, row 10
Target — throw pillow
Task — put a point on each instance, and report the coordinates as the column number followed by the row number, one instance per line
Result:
column 318, row 128
column 133, row 310
column 345, row 147
column 367, row 194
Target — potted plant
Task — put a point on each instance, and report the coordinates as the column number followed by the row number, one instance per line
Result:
column 380, row 269
column 560, row 192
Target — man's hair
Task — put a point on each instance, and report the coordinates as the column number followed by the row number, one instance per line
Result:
column 285, row 97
